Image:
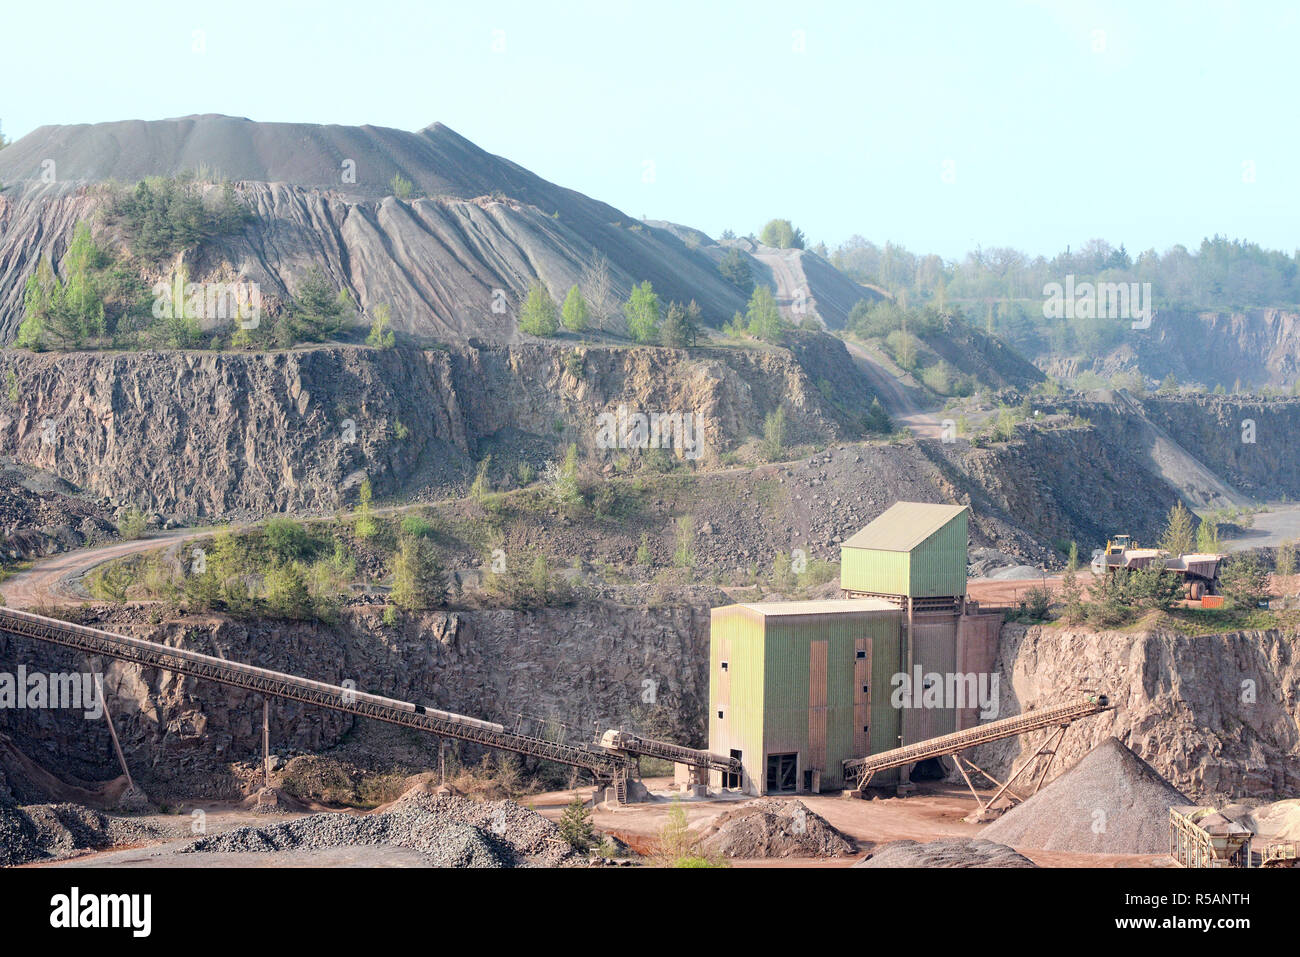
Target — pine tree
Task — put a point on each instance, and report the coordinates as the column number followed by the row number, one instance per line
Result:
column 1179, row 538
column 575, row 825
column 1244, row 581
column 1207, row 536
column 674, row 332
column 694, row 319
column 286, row 590
column 734, row 268
column 1072, row 590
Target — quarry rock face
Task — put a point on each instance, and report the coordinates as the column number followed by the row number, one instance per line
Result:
column 1259, row 346
column 1218, row 716
column 210, row 434
column 581, row 664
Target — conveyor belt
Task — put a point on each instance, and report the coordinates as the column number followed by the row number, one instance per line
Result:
column 635, row 744
column 94, row 641
column 1061, row 715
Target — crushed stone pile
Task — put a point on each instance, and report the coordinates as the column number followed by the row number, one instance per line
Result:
column 948, row 852
column 1111, row 802
column 772, row 827
column 448, row 831
column 50, row 831
column 1278, row 821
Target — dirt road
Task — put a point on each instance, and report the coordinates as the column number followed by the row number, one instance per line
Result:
column 53, row 579
column 1281, row 523
column 897, row 397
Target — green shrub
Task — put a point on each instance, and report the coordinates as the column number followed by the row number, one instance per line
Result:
column 287, row 539
column 132, row 524
column 417, row 576
column 642, row 313
column 380, row 336
column 774, row 434
column 1244, row 581
column 402, row 187
column 576, row 315
column 538, row 316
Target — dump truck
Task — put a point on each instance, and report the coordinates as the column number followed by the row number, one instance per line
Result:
column 1199, row 570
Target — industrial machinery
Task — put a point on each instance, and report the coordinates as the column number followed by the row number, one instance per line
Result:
column 612, row 760
column 1281, row 854
column 952, row 745
column 1199, row 570
column 1202, row 837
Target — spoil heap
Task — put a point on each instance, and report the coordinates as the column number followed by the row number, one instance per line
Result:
column 770, row 827
column 448, row 831
column 949, row 852
column 50, row 831
column 1111, row 802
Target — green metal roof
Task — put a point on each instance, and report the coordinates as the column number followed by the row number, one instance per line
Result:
column 903, row 526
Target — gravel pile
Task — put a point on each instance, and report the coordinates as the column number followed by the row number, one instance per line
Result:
column 448, row 831
column 949, row 852
column 18, row 843
column 770, row 827
column 1111, row 802
column 47, row 831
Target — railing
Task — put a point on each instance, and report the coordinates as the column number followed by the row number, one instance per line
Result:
column 635, row 744
column 865, row 767
column 94, row 641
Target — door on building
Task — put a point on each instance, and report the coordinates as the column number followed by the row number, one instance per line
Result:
column 782, row 773
column 731, row 780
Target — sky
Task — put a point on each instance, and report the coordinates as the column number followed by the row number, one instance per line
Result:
column 943, row 126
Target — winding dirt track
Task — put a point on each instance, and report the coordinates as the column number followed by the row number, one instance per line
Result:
column 52, row 580
column 895, row 396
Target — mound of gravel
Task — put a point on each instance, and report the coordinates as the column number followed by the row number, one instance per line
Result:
column 18, row 843
column 1111, row 802
column 772, row 827
column 45, row 831
column 448, row 831
column 949, row 852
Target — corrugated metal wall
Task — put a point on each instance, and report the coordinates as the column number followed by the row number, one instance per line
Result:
column 934, row 648
column 736, row 637
column 935, row 567
column 977, row 653
column 938, row 565
column 794, row 684
column 817, row 703
column 873, row 570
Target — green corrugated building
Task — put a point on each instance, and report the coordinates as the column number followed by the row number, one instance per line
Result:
column 913, row 550
column 795, row 688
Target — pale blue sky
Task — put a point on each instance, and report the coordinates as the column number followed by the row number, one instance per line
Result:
column 1056, row 133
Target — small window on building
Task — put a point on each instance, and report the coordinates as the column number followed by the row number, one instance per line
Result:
column 866, row 689
column 866, row 728
column 861, row 655
column 724, row 666
column 719, row 712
